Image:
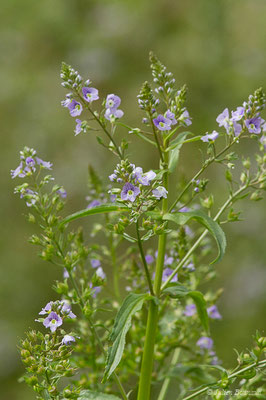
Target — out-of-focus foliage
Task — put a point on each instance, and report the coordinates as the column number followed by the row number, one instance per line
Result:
column 216, row 47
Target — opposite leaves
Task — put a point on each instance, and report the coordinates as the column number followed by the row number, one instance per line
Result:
column 130, row 306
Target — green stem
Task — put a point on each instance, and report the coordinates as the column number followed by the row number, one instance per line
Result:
column 115, row 267
column 167, row 380
column 235, row 374
column 202, row 236
column 148, row 352
column 144, row 260
column 156, row 139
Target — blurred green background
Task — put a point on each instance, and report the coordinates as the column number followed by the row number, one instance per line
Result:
column 216, row 47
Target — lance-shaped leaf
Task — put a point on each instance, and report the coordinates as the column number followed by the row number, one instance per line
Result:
column 102, row 209
column 177, row 290
column 132, row 304
column 212, row 226
column 175, row 149
column 90, row 395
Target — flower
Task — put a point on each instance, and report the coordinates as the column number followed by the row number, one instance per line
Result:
column 31, row 197
column 159, row 192
column 205, row 343
column 223, row 118
column 149, row 259
column 171, row 116
column 238, row 114
column 130, row 192
column 210, row 136
column 66, row 309
column 95, row 263
column 254, row 125
column 62, row 193
column 263, row 140
column 143, row 179
column 213, row 312
column 115, row 114
column 75, row 108
column 18, row 172
column 190, row 267
column 100, row 273
column 185, row 118
column 53, row 321
column 78, row 128
column 112, row 177
column 237, row 128
column 44, row 164
column 190, row 310
column 68, row 339
column 46, row 309
column 162, row 123
column 166, row 273
column 90, row 94
column 112, row 102
column 94, row 203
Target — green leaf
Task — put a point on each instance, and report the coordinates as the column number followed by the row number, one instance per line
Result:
column 132, row 304
column 174, row 153
column 177, row 290
column 105, row 208
column 89, row 395
column 212, row 226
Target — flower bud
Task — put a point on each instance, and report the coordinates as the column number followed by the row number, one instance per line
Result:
column 262, row 342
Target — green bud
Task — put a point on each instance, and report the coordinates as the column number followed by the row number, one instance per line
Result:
column 228, row 175
column 243, row 177
column 147, row 224
column 31, row 218
column 25, row 353
column 256, row 196
column 31, row 380
column 246, row 163
column 62, row 287
column 34, row 240
column 262, row 342
column 207, row 202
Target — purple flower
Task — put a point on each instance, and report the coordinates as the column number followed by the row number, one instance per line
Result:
column 112, row 103
column 90, row 94
column 184, row 209
column 113, row 114
column 94, row 203
column 62, row 193
column 31, row 197
column 75, row 108
column 144, row 179
column 95, row 263
column 210, row 136
column 205, row 343
column 44, row 164
column 254, row 125
column 112, row 177
column 159, row 192
column 190, row 310
column 78, row 128
column 166, row 273
column 162, row 123
column 130, row 192
column 30, row 162
column 185, row 118
column 66, row 309
column 113, row 198
column 171, row 116
column 237, row 128
column 100, row 273
column 263, row 140
column 149, row 259
column 213, row 312
column 168, row 260
column 223, row 118
column 18, row 172
column 190, row 267
column 46, row 309
column 53, row 321
column 238, row 114
column 68, row 339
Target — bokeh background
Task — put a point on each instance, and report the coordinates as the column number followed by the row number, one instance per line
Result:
column 217, row 47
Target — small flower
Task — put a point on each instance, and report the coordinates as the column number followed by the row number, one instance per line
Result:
column 162, row 123
column 113, row 114
column 66, row 309
column 185, row 118
column 18, row 172
column 254, row 125
column 100, row 273
column 44, row 164
column 171, row 116
column 112, row 177
column 78, row 128
column 168, row 272
column 68, row 339
column 130, row 192
column 90, row 94
column 53, row 321
column 213, row 312
column 143, row 179
column 149, row 259
column 62, row 193
column 31, row 197
column 223, row 118
column 205, row 343
column 263, row 141
column 190, row 267
column 190, row 310
column 210, row 136
column 168, row 260
column 30, row 162
column 237, row 128
column 159, row 192
column 46, row 309
column 238, row 114
column 75, row 108
column 94, row 203
column 112, row 102
column 95, row 263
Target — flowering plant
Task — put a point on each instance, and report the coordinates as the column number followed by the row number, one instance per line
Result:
column 141, row 321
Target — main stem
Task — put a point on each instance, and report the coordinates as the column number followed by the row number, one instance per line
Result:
column 148, row 352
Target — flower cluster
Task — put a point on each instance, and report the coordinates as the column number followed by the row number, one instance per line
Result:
column 28, row 164
column 112, row 103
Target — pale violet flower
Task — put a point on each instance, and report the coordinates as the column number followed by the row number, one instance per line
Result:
column 159, row 192
column 238, row 114
column 112, row 102
column 213, row 312
column 75, row 108
column 53, row 321
column 95, row 263
column 68, row 339
column 130, row 192
column 90, row 94
column 185, row 118
column 210, row 137
column 100, row 273
column 170, row 115
column 254, row 125
column 162, row 123
column 205, row 343
column 190, row 310
column 113, row 114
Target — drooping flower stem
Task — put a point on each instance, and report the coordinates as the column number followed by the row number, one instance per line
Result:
column 148, row 352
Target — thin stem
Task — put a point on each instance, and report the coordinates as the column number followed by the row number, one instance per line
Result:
column 156, row 139
column 114, row 263
column 259, row 364
column 167, row 380
column 202, row 236
column 144, row 260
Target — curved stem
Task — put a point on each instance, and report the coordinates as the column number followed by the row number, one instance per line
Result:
column 144, row 260
column 235, row 374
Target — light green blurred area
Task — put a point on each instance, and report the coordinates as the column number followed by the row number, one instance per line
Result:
column 216, row 47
